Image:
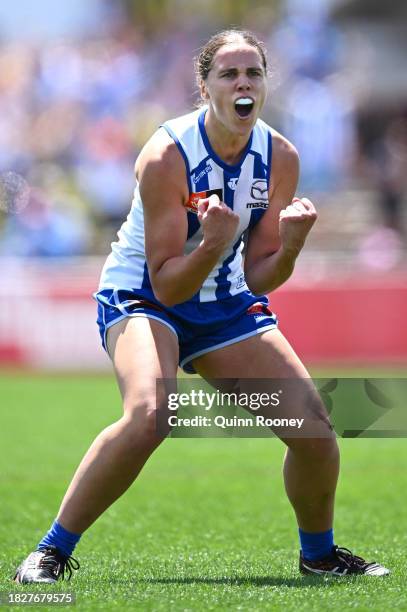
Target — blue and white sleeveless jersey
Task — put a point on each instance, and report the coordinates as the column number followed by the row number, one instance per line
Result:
column 243, row 187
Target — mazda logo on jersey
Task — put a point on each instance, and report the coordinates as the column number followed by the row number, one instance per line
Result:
column 259, row 190
column 257, row 205
column 192, row 204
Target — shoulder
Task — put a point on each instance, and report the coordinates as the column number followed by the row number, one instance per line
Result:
column 284, row 152
column 159, row 154
column 284, row 155
column 285, row 164
column 160, row 169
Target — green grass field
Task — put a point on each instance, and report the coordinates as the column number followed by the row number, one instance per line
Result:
column 207, row 525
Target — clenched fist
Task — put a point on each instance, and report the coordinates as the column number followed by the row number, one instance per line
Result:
column 219, row 223
column 295, row 223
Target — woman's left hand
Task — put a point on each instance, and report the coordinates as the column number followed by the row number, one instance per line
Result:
column 295, row 223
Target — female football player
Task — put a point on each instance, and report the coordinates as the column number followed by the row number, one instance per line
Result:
column 175, row 291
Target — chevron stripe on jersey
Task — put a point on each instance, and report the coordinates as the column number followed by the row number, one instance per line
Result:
column 243, row 187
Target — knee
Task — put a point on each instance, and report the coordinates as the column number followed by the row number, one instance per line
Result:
column 318, row 451
column 146, row 421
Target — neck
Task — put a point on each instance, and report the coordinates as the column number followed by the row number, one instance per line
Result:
column 228, row 146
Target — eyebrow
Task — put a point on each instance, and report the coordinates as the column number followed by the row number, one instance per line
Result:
column 235, row 69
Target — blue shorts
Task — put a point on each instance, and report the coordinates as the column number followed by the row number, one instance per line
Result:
column 200, row 327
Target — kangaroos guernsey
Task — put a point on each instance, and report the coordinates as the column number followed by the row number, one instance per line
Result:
column 243, row 187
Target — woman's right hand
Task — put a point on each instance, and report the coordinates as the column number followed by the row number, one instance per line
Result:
column 219, row 223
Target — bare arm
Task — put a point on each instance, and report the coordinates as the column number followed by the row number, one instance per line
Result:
column 276, row 241
column 176, row 277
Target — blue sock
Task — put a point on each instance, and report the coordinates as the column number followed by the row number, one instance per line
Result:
column 316, row 545
column 64, row 540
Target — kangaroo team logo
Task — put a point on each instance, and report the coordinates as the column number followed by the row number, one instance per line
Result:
column 232, row 183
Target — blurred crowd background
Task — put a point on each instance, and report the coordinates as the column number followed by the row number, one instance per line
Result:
column 84, row 84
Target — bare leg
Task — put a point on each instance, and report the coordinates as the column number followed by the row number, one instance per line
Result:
column 142, row 350
column 311, row 464
column 310, row 485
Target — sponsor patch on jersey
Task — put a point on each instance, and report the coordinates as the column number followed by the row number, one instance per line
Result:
column 192, row 204
column 197, row 177
column 241, row 282
column 257, row 205
column 259, row 190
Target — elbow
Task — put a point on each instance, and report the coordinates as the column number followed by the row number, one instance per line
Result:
column 263, row 286
column 253, row 286
column 164, row 297
column 161, row 292
column 258, row 290
column 168, row 303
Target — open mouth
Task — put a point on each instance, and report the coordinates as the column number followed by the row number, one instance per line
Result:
column 244, row 106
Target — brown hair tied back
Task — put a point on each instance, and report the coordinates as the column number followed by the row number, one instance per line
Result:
column 203, row 62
